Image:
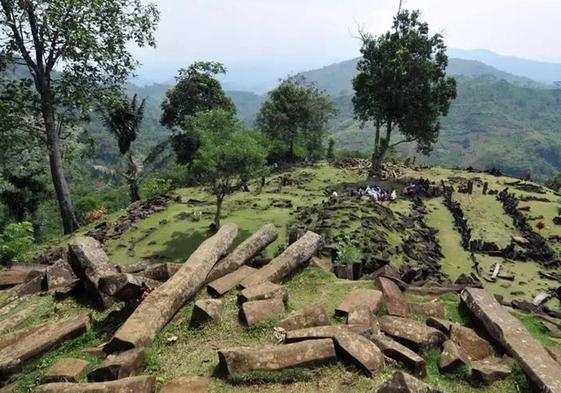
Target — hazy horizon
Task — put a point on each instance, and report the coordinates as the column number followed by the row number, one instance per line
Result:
column 260, row 41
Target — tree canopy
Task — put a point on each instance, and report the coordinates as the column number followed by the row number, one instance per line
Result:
column 402, row 83
column 229, row 155
column 296, row 114
column 75, row 52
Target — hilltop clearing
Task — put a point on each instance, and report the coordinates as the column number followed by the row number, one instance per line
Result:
column 460, row 230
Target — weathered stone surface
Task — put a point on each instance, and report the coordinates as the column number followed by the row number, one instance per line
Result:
column 186, row 385
column 49, row 335
column 305, row 318
column 393, row 298
column 159, row 307
column 320, row 332
column 161, row 271
column 7, row 339
column 15, row 276
column 431, row 309
column 490, row 370
column 323, row 264
column 440, row 324
column 515, row 339
column 401, row 354
column 95, row 351
column 142, row 384
column 411, row 333
column 477, row 348
column 370, row 299
column 15, row 319
column 207, row 310
column 293, row 257
column 452, row 357
column 66, row 370
column 263, row 291
column 30, row 287
column 60, row 275
column 405, row 383
column 245, row 252
column 225, row 284
column 302, row 354
column 90, row 263
column 126, row 287
column 385, row 271
column 360, row 316
column 360, row 351
column 260, row 310
column 555, row 353
column 118, row 366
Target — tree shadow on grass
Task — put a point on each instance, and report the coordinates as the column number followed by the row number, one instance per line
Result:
column 182, row 244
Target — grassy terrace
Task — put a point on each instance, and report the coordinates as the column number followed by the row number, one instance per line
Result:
column 173, row 234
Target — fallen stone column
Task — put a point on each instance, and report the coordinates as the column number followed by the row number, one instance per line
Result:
column 321, row 332
column 264, row 291
column 17, row 318
column 90, row 263
column 260, row 310
column 245, row 252
column 293, row 257
column 370, row 299
column 141, row 328
column 13, row 356
column 411, row 333
column 161, row 271
column 401, row 354
column 305, row 318
column 126, row 287
column 143, row 384
column 119, row 366
column 509, row 332
column 302, row 354
column 360, row 351
column 225, row 284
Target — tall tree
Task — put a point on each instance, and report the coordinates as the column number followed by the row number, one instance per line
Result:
column 196, row 90
column 123, row 119
column 402, row 84
column 87, row 43
column 296, row 113
column 229, row 155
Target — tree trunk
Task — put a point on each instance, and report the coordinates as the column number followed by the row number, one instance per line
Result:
column 132, row 178
column 375, row 154
column 219, row 200
column 70, row 221
column 380, row 153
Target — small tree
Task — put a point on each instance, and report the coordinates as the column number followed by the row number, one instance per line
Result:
column 402, row 83
column 87, row 43
column 229, row 155
column 296, row 113
column 123, row 120
column 197, row 90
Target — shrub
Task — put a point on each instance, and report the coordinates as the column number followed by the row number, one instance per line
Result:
column 155, row 186
column 347, row 253
column 15, row 241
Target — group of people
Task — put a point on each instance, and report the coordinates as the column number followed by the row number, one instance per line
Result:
column 375, row 194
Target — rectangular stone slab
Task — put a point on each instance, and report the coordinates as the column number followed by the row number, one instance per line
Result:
column 260, row 310
column 40, row 341
column 119, row 366
column 305, row 318
column 159, row 307
column 293, row 257
column 400, row 353
column 303, row 354
column 321, row 332
column 225, row 284
column 142, row 384
column 360, row 351
column 11, row 277
column 395, row 302
column 263, row 291
column 370, row 299
column 515, row 339
column 245, row 252
column 411, row 333
column 17, row 318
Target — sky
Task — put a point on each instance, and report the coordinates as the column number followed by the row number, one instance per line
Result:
column 260, row 41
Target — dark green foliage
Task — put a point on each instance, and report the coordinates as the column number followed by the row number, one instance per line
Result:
column 229, row 155
column 402, row 83
column 15, row 241
column 197, row 90
column 296, row 114
column 330, row 154
column 123, row 119
column 185, row 144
